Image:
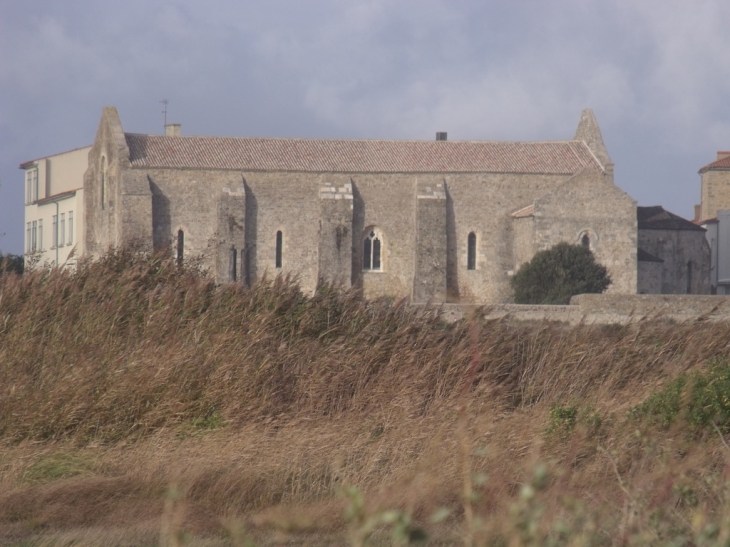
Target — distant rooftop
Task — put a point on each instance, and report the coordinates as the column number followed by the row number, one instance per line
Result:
column 359, row 156
column 722, row 162
column 658, row 218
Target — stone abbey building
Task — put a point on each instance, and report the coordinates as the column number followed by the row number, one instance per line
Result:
column 430, row 220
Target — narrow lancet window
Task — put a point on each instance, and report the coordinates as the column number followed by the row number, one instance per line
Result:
column 471, row 251
column 233, row 264
column 279, row 248
column 585, row 241
column 180, row 247
column 372, row 251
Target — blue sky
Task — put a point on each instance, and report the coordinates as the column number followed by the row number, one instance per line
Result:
column 656, row 73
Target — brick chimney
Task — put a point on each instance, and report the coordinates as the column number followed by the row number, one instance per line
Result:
column 173, row 130
column 722, row 155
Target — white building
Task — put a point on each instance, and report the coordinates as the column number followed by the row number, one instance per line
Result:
column 54, row 201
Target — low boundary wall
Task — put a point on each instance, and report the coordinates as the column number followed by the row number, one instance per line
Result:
column 606, row 309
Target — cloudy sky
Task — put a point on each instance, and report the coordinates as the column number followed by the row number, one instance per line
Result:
column 655, row 72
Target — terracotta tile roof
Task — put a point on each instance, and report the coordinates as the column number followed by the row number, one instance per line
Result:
column 524, row 212
column 658, row 218
column 723, row 163
column 358, row 156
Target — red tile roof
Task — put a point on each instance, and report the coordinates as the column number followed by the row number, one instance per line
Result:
column 723, row 163
column 527, row 211
column 358, row 156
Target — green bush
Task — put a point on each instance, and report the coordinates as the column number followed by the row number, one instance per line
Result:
column 701, row 398
column 554, row 275
column 11, row 263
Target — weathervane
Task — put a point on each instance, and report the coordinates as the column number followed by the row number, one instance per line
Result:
column 164, row 112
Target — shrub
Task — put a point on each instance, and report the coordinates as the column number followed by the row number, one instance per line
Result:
column 11, row 263
column 702, row 399
column 554, row 275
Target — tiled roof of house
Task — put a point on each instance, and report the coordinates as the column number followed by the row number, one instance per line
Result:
column 658, row 218
column 358, row 156
column 524, row 212
column 722, row 163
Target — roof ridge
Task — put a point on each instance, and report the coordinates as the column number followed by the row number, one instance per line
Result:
column 359, row 155
column 344, row 139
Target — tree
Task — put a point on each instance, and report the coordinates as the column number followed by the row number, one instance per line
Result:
column 11, row 263
column 554, row 275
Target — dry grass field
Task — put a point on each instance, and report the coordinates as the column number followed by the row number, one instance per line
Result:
column 141, row 405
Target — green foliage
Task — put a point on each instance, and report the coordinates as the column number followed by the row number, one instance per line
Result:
column 662, row 407
column 11, row 263
column 562, row 418
column 57, row 466
column 702, row 399
column 565, row 418
column 709, row 403
column 554, row 275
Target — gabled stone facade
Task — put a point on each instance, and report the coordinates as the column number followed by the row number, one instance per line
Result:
column 427, row 220
column 675, row 255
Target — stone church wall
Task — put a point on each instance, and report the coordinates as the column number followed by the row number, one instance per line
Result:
column 242, row 223
column 482, row 203
column 591, row 205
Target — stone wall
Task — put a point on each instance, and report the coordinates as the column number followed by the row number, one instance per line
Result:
column 233, row 220
column 715, row 193
column 650, row 277
column 686, row 256
column 604, row 309
column 591, row 205
column 483, row 203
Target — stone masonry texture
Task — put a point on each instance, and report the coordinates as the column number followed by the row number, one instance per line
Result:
column 229, row 198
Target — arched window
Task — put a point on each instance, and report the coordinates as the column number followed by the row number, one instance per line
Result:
column 585, row 241
column 471, row 251
column 180, row 247
column 279, row 248
column 371, row 251
column 103, row 182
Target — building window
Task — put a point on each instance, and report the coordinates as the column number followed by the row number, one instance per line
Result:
column 40, row 235
column 279, row 248
column 54, row 241
column 371, row 251
column 103, row 182
column 62, row 230
column 180, row 247
column 233, row 264
column 27, row 237
column 471, row 251
column 31, row 185
column 70, row 227
column 585, row 241
column 34, row 237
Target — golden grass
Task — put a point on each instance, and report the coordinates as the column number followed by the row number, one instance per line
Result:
column 142, row 405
